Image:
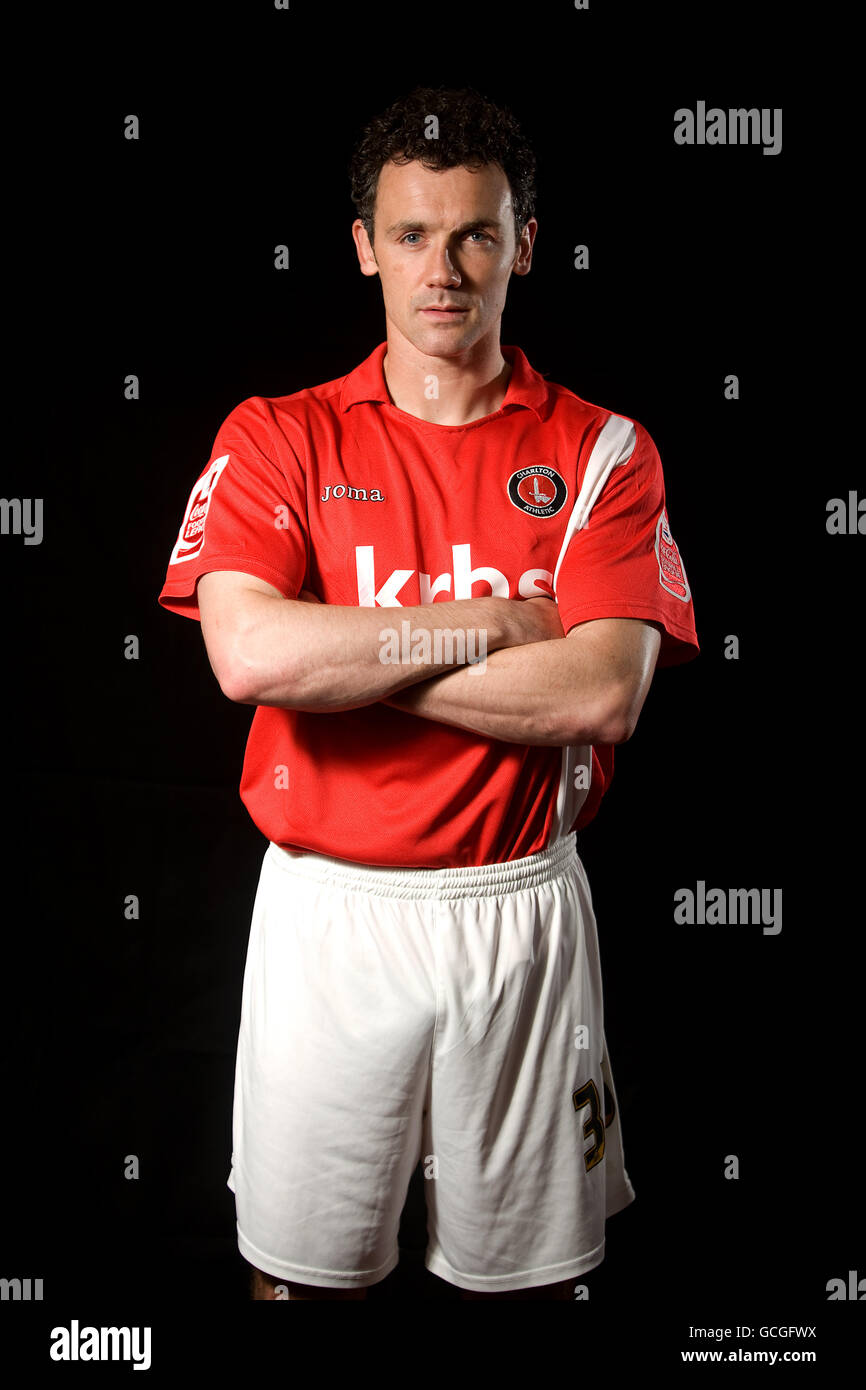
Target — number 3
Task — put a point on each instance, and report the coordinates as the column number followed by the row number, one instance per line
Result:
column 588, row 1095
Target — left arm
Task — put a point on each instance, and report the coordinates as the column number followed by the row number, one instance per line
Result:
column 588, row 687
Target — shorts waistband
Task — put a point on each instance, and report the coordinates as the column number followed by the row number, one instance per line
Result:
column 479, row 881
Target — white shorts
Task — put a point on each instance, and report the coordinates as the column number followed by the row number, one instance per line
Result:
column 449, row 1016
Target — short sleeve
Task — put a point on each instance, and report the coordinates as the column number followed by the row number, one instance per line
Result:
column 247, row 511
column 619, row 558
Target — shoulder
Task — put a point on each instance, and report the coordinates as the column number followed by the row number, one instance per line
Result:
column 274, row 423
column 573, row 412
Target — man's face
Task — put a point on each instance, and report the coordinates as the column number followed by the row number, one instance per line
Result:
column 443, row 238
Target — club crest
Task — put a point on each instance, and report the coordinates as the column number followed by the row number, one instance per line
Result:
column 538, row 490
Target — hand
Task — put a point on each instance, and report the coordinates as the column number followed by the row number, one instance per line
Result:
column 535, row 620
column 307, row 596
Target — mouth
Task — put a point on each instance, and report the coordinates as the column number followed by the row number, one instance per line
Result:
column 445, row 315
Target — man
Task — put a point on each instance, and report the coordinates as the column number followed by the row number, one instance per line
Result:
column 445, row 584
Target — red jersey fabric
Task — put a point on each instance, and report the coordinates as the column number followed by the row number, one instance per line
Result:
column 336, row 490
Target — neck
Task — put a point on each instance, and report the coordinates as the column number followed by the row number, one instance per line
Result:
column 446, row 390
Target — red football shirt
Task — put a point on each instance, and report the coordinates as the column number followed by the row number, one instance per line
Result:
column 336, row 490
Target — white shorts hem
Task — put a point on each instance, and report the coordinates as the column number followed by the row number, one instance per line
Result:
column 523, row 1279
column 320, row 1278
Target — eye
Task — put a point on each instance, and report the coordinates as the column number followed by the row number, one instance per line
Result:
column 475, row 232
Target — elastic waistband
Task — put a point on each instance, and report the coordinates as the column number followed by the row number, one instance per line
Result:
column 481, row 881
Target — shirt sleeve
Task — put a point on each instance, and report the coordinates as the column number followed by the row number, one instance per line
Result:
column 247, row 511
column 619, row 558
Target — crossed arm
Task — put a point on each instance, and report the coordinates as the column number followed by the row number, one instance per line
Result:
column 536, row 685
column 588, row 687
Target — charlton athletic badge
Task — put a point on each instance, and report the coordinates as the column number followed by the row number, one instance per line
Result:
column 538, row 490
column 672, row 575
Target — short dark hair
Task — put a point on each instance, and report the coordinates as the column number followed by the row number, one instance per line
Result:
column 472, row 132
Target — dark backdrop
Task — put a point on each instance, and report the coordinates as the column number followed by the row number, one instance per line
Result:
column 155, row 257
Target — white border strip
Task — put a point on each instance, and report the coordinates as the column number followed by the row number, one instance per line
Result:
column 614, row 446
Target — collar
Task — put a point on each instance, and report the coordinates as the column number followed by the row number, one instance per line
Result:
column 526, row 386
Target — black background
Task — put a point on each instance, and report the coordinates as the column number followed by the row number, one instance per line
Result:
column 155, row 257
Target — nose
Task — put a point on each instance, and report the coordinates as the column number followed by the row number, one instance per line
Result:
column 441, row 270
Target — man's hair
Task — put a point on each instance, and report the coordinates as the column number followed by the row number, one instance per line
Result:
column 472, row 132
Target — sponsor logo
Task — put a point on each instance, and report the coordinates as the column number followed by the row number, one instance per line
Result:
column 534, row 583
column 672, row 575
column 538, row 490
column 191, row 535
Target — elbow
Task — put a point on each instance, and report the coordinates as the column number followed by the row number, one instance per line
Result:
column 248, row 682
column 236, row 676
column 620, row 717
column 613, row 723
column 609, row 732
column 235, row 684
column 619, row 730
column 239, row 694
column 237, row 645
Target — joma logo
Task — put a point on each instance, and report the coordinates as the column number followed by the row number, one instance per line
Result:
column 357, row 494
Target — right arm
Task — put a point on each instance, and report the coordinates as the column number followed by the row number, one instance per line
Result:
column 268, row 650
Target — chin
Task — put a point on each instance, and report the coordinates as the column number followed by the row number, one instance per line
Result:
column 444, row 342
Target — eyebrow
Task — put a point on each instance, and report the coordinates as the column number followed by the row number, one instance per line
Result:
column 406, row 225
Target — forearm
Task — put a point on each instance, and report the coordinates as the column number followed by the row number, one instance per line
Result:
column 326, row 657
column 536, row 695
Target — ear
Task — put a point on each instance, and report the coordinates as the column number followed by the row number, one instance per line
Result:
column 366, row 258
column 523, row 258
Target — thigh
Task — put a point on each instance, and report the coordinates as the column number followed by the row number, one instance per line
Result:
column 333, row 1053
column 517, row 1122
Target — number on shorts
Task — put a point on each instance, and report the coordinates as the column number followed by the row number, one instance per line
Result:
column 588, row 1095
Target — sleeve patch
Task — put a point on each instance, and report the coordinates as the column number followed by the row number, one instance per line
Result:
column 191, row 535
column 672, row 575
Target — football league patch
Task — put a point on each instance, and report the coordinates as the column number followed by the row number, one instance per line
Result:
column 538, row 490
column 191, row 535
column 672, row 575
